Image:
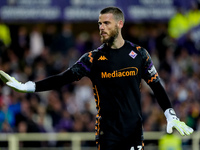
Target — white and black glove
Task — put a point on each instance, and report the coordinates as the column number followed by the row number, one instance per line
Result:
column 28, row 87
column 174, row 122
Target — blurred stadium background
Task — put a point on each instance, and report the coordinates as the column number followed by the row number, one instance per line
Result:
column 39, row 38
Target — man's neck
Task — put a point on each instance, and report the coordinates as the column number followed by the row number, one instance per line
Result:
column 118, row 43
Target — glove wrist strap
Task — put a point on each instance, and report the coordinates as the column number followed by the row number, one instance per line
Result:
column 30, row 86
column 170, row 114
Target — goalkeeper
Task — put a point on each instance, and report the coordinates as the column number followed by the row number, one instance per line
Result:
column 116, row 69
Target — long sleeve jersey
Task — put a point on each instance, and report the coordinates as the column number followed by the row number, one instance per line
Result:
column 116, row 76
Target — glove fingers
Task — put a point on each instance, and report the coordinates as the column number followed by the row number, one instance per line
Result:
column 190, row 130
column 12, row 85
column 169, row 128
column 184, row 129
column 187, row 129
column 180, row 130
column 4, row 76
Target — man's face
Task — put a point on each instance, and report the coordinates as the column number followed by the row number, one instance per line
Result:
column 108, row 28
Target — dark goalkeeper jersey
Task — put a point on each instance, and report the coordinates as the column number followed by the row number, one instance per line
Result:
column 116, row 75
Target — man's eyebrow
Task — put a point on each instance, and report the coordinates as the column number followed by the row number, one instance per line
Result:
column 107, row 21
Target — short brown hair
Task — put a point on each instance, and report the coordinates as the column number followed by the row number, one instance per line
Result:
column 118, row 14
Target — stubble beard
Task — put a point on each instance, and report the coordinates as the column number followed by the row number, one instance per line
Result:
column 113, row 35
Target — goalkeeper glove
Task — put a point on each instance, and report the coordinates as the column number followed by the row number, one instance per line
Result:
column 174, row 122
column 27, row 87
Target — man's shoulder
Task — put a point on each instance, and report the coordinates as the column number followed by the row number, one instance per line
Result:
column 99, row 49
column 136, row 47
column 91, row 54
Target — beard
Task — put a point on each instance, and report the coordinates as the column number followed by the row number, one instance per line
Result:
column 112, row 36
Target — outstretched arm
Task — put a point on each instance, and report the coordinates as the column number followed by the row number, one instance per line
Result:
column 46, row 84
column 76, row 72
column 55, row 81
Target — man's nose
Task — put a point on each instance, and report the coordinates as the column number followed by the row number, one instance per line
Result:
column 101, row 27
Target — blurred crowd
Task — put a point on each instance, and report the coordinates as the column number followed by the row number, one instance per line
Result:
column 33, row 52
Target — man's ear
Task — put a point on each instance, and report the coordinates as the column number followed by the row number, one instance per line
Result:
column 120, row 24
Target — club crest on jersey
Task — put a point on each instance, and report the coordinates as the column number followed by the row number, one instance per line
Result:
column 132, row 54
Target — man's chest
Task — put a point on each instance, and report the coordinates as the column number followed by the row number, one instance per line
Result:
column 114, row 64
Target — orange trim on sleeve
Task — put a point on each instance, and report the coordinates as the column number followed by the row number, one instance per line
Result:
column 138, row 47
column 152, row 78
column 90, row 56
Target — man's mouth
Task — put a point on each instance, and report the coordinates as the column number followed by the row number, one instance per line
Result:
column 103, row 33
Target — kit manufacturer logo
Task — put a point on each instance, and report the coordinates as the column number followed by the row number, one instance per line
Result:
column 102, row 58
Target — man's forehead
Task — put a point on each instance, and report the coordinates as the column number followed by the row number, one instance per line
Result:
column 107, row 16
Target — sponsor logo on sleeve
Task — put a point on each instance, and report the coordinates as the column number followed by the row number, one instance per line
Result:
column 152, row 70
